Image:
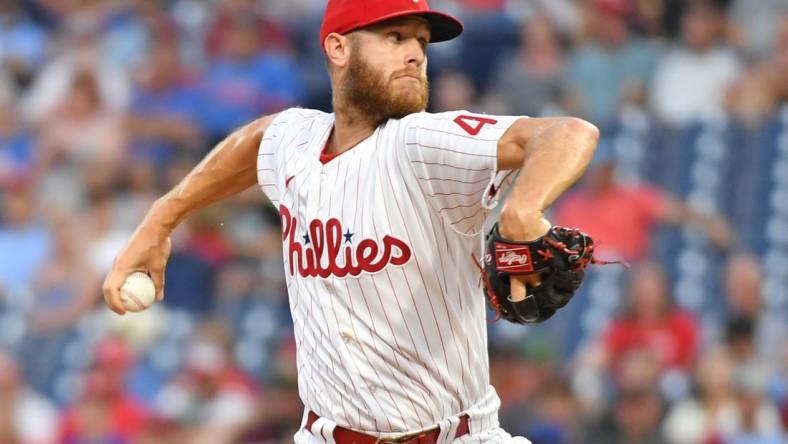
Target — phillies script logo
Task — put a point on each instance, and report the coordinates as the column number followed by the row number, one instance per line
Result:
column 326, row 251
column 510, row 257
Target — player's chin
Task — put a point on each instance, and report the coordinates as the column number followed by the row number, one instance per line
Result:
column 407, row 102
column 400, row 112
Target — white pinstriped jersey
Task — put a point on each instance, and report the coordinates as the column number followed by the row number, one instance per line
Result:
column 389, row 321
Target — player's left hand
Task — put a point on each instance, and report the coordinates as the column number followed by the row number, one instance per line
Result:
column 530, row 276
column 529, row 227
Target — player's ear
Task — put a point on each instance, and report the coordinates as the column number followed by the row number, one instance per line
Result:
column 337, row 48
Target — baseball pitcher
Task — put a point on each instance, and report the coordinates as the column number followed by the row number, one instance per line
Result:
column 381, row 207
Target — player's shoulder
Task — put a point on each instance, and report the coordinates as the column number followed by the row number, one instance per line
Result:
column 293, row 121
column 298, row 116
column 426, row 118
column 458, row 123
column 456, row 118
column 413, row 124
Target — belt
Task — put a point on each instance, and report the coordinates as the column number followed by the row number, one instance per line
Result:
column 347, row 436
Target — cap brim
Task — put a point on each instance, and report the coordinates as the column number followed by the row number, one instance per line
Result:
column 443, row 26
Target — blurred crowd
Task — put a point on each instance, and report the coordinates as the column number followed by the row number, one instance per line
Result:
column 106, row 104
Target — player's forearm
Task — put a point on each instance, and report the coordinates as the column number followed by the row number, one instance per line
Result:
column 554, row 158
column 231, row 167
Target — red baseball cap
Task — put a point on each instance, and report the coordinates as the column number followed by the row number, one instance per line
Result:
column 343, row 16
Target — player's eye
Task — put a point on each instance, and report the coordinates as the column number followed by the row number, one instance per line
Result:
column 395, row 37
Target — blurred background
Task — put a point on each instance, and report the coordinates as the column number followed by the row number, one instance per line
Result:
column 106, row 104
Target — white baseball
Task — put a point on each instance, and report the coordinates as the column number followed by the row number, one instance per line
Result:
column 137, row 292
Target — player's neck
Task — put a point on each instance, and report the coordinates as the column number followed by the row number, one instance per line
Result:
column 350, row 129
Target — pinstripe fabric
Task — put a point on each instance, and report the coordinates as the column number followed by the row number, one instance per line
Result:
column 389, row 323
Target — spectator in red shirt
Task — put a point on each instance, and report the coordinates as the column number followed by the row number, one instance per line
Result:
column 271, row 33
column 211, row 400
column 651, row 340
column 621, row 218
column 651, row 322
column 104, row 411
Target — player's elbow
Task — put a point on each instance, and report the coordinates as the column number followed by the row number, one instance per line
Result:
column 585, row 131
column 580, row 139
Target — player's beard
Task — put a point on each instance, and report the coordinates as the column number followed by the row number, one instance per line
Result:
column 370, row 94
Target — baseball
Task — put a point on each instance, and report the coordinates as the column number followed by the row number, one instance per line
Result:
column 137, row 292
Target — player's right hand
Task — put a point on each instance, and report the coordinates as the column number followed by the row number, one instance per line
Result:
column 147, row 251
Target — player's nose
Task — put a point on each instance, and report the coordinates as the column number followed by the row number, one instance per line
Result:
column 416, row 54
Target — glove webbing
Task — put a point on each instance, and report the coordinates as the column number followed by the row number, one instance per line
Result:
column 584, row 257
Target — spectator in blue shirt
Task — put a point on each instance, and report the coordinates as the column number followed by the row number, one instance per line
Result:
column 16, row 146
column 164, row 111
column 245, row 81
column 25, row 243
column 23, row 43
column 611, row 69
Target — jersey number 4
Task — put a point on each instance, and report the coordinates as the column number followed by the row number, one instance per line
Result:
column 472, row 124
